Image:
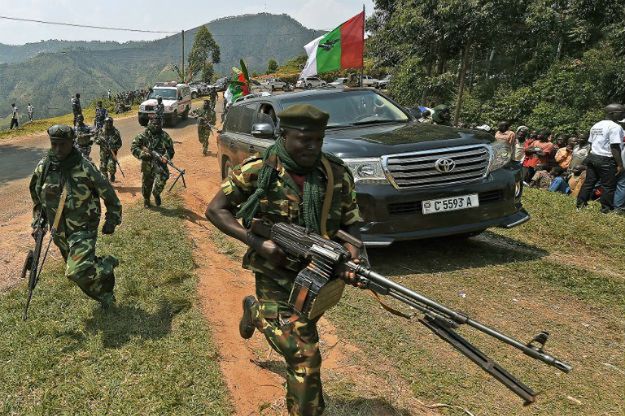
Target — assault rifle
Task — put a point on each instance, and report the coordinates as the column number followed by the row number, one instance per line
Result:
column 106, row 145
column 157, row 157
column 32, row 264
column 315, row 290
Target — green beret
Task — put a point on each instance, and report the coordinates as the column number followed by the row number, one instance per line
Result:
column 303, row 117
column 61, row 132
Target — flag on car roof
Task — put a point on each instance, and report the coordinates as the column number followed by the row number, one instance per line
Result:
column 342, row 48
column 240, row 85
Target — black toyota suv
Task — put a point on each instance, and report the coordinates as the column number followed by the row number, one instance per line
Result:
column 413, row 180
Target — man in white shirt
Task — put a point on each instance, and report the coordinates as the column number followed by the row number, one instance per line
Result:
column 604, row 163
column 14, row 117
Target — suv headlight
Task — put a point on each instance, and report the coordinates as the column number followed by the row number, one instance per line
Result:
column 141, row 108
column 367, row 170
column 501, row 156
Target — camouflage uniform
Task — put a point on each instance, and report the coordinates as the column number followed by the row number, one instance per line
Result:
column 76, row 108
column 159, row 111
column 100, row 115
column 84, row 140
column 78, row 228
column 154, row 173
column 112, row 140
column 298, row 341
column 206, row 119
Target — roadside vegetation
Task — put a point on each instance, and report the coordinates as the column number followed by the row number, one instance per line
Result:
column 559, row 272
column 151, row 354
column 41, row 125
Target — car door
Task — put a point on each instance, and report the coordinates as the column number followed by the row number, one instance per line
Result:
column 243, row 144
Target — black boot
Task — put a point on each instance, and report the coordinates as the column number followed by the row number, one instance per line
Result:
column 146, row 203
column 246, row 325
column 157, row 200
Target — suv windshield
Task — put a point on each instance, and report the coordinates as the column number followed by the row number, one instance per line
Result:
column 166, row 93
column 353, row 108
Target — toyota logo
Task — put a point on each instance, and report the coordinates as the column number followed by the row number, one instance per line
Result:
column 445, row 165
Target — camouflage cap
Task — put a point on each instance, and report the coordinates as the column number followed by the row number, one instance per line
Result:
column 61, row 132
column 303, row 117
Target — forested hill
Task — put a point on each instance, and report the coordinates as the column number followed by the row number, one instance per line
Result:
column 18, row 53
column 49, row 79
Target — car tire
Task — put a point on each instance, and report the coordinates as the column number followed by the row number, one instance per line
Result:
column 272, row 88
column 193, row 96
column 174, row 119
column 308, row 86
column 143, row 122
column 185, row 114
column 226, row 168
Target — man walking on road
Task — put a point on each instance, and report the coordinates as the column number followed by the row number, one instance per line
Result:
column 604, row 163
column 287, row 184
column 14, row 117
column 109, row 141
column 29, row 109
column 154, row 171
column 66, row 189
column 76, row 107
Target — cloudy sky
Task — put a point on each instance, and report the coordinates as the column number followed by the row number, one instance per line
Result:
column 155, row 15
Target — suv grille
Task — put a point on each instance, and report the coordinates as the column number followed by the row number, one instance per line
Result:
column 149, row 108
column 419, row 169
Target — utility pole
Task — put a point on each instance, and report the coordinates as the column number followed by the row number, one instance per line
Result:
column 182, row 66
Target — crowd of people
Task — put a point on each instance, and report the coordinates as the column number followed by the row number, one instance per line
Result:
column 587, row 165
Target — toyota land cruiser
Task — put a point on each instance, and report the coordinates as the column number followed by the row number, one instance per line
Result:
column 176, row 99
column 413, row 180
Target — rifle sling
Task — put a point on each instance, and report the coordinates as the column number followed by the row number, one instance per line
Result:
column 327, row 200
column 59, row 210
column 389, row 308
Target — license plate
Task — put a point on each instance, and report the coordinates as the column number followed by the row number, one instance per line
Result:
column 450, row 204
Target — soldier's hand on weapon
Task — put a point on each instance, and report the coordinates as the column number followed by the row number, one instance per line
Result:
column 108, row 228
column 145, row 156
column 267, row 249
column 350, row 276
column 164, row 160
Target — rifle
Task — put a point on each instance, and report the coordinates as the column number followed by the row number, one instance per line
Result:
column 159, row 157
column 108, row 147
column 324, row 258
column 32, row 264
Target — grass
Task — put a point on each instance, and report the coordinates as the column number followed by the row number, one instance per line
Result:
column 560, row 272
column 151, row 354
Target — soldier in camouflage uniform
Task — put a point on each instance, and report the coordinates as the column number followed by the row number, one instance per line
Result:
column 109, row 141
column 206, row 119
column 213, row 98
column 64, row 171
column 84, row 136
column 154, row 171
column 100, row 115
column 287, row 184
column 159, row 108
column 76, row 107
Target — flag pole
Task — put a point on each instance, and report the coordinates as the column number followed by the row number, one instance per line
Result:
column 362, row 68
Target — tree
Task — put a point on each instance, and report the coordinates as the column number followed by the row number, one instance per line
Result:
column 204, row 53
column 272, row 66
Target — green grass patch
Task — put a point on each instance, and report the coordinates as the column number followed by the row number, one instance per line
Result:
column 151, row 354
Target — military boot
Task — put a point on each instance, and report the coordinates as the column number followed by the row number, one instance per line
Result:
column 146, row 203
column 108, row 301
column 157, row 200
column 246, row 325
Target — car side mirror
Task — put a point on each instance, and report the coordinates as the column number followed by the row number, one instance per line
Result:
column 263, row 130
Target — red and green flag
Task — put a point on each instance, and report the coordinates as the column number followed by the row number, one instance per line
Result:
column 339, row 49
column 240, row 84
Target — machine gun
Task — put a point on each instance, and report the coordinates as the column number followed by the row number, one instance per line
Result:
column 104, row 143
column 157, row 157
column 32, row 266
column 316, row 289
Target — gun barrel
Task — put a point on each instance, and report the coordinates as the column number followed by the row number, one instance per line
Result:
column 425, row 304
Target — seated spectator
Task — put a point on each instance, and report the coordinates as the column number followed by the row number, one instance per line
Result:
column 565, row 154
column 530, row 159
column 576, row 180
column 580, row 151
column 542, row 178
column 544, row 148
column 504, row 134
column 558, row 182
column 560, row 142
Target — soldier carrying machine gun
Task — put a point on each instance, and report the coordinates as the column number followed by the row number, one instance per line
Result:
column 316, row 289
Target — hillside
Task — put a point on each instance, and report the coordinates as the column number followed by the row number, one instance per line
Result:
column 48, row 80
column 19, row 53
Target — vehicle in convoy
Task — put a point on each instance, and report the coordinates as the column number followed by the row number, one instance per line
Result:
column 413, row 180
column 368, row 81
column 310, row 82
column 273, row 84
column 176, row 99
column 221, row 84
column 383, row 83
column 339, row 82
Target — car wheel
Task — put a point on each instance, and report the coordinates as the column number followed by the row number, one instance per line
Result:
column 174, row 119
column 226, row 168
column 193, row 95
column 143, row 122
column 272, row 88
column 308, row 86
column 185, row 114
